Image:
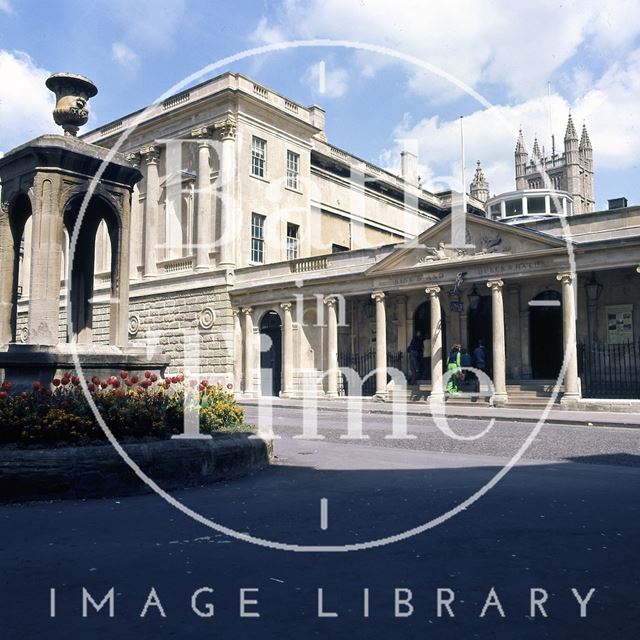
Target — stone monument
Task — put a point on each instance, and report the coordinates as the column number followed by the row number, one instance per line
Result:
column 51, row 180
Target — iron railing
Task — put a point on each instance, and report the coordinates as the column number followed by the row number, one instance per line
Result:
column 363, row 364
column 609, row 370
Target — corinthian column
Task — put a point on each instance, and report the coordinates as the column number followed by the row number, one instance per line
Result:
column 381, row 344
column 226, row 129
column 248, row 350
column 287, row 349
column 7, row 267
column 499, row 358
column 203, row 211
column 437, row 390
column 151, row 155
column 136, row 222
column 332, row 347
column 571, row 381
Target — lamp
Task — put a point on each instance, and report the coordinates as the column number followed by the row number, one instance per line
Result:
column 593, row 288
column 474, row 299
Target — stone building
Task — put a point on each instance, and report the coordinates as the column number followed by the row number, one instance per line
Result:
column 285, row 258
column 570, row 171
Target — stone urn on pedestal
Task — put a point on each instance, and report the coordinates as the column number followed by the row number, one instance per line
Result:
column 72, row 96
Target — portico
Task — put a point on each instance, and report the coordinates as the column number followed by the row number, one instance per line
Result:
column 515, row 289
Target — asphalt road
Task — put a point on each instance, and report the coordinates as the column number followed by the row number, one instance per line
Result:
column 553, row 522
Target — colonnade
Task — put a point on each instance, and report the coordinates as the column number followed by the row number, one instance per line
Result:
column 247, row 343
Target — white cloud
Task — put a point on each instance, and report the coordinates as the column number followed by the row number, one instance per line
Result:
column 123, row 55
column 478, row 42
column 265, row 33
column 5, row 7
column 25, row 102
column 329, row 83
column 609, row 110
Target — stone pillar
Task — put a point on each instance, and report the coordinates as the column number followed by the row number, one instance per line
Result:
column 525, row 206
column 503, row 209
column 237, row 350
column 135, row 227
column 119, row 303
column 332, row 347
column 547, row 204
column 381, row 344
column 203, row 210
column 46, row 257
column 287, row 349
column 248, row 351
column 437, row 390
column 499, row 363
column 151, row 155
column 227, row 180
column 571, row 381
column 7, row 267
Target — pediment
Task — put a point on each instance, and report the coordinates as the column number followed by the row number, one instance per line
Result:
column 484, row 240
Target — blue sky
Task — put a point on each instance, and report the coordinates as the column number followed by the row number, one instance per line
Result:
column 507, row 52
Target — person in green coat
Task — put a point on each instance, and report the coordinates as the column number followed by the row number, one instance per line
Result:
column 453, row 365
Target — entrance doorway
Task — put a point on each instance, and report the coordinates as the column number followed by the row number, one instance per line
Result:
column 480, row 327
column 422, row 324
column 270, row 354
column 546, row 346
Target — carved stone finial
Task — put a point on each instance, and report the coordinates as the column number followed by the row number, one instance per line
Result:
column 72, row 96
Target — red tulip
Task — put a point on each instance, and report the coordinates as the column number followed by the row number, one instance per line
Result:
column 123, row 375
column 153, row 377
column 128, row 383
column 56, row 382
column 65, row 380
column 115, row 383
column 6, row 385
column 3, row 395
column 229, row 386
column 103, row 385
column 36, row 386
column 91, row 387
column 147, row 374
column 95, row 379
column 75, row 381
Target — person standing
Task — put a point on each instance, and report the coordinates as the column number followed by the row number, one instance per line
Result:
column 453, row 365
column 480, row 359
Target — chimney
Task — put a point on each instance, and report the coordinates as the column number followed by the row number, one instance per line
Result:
column 409, row 167
column 618, row 203
column 316, row 115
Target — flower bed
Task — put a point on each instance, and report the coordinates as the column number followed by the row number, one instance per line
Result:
column 132, row 408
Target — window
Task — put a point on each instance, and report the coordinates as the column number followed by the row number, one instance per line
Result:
column 257, row 237
column 258, row 157
column 293, row 170
column 292, row 241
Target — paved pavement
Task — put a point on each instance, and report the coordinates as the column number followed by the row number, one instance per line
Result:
column 476, row 411
column 552, row 523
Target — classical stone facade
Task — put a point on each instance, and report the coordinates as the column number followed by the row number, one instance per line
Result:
column 292, row 262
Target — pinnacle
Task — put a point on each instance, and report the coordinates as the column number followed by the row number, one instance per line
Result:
column 570, row 133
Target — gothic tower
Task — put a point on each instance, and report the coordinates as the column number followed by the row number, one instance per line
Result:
column 521, row 158
column 479, row 187
column 572, row 171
